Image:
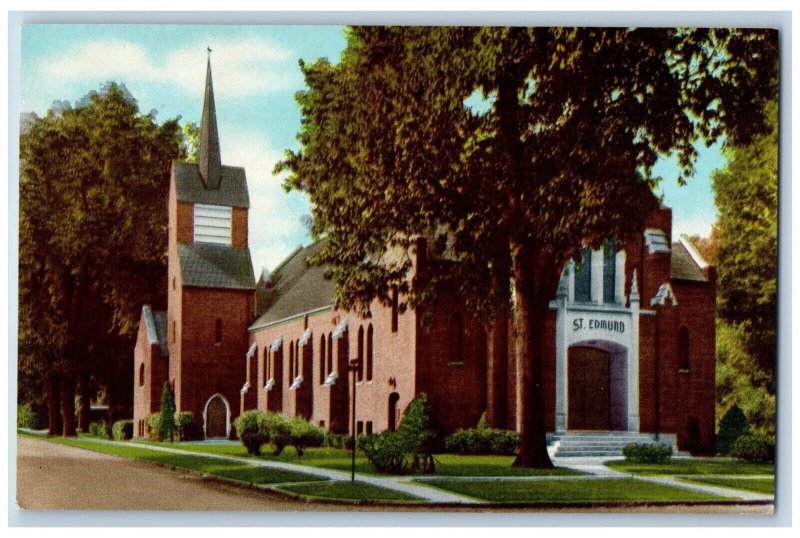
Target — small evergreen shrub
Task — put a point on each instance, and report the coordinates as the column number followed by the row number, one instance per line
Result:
column 167, row 427
column 188, row 428
column 754, row 447
column 732, row 425
column 250, row 431
column 647, row 453
column 154, row 427
column 388, row 452
column 505, row 442
column 122, row 430
column 482, row 440
column 335, row 440
column 98, row 429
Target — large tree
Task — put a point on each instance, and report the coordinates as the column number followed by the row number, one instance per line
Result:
column 93, row 185
column 747, row 199
column 516, row 147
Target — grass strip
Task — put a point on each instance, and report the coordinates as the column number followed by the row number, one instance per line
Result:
column 347, row 491
column 210, row 466
column 613, row 490
column 758, row 485
column 693, row 467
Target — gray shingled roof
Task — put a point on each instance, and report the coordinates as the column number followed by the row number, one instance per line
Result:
column 215, row 266
column 683, row 266
column 231, row 192
column 296, row 287
column 156, row 326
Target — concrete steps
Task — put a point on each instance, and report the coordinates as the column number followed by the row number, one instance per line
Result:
column 594, row 444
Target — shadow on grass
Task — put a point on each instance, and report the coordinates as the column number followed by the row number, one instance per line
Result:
column 347, row 491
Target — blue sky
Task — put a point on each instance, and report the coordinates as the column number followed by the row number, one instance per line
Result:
column 256, row 75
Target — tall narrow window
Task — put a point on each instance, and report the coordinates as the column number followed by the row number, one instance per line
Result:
column 298, row 358
column 683, row 349
column 291, row 362
column 218, row 331
column 609, row 272
column 360, row 354
column 369, row 352
column 322, row 359
column 265, row 365
column 141, row 375
column 395, row 313
column 583, row 277
column 330, row 353
column 457, row 340
column 174, row 337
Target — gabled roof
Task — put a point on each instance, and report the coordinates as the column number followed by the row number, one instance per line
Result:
column 156, row 327
column 683, row 265
column 295, row 287
column 207, row 265
column 190, row 187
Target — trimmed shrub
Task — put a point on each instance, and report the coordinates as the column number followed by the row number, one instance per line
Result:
column 753, row 447
column 732, row 425
column 505, row 442
column 647, row 453
column 277, row 429
column 304, row 434
column 31, row 415
column 167, row 427
column 482, row 440
column 98, row 429
column 335, row 440
column 250, row 431
column 122, row 430
column 188, row 428
column 387, row 452
column 154, row 427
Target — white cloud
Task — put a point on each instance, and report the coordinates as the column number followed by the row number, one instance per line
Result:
column 242, row 67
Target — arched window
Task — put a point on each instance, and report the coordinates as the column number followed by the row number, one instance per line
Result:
column 457, row 341
column 141, row 374
column 360, row 353
column 369, row 352
column 683, row 349
column 322, row 359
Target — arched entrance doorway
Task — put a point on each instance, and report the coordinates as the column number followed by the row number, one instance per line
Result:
column 393, row 410
column 597, row 387
column 216, row 417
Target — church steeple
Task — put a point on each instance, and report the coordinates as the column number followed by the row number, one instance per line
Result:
column 210, row 162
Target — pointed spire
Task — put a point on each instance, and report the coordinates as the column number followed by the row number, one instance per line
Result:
column 209, row 159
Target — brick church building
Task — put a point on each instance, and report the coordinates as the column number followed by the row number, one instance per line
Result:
column 632, row 334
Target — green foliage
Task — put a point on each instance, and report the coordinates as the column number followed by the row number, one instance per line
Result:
column 122, row 430
column 154, row 427
column 574, row 121
column 250, row 432
column 99, row 429
column 188, row 429
column 753, row 447
column 482, row 440
column 32, row 416
column 740, row 382
column 92, row 236
column 647, row 453
column 732, row 426
column 166, row 426
column 747, row 201
column 305, row 434
column 335, row 440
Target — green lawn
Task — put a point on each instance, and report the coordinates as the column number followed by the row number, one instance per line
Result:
column 570, row 491
column 209, row 466
column 348, row 491
column 759, row 485
column 693, row 467
column 339, row 459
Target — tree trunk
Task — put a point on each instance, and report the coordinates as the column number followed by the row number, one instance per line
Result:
column 83, row 410
column 68, row 406
column 530, row 310
column 54, row 425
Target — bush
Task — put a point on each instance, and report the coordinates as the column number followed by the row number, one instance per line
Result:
column 647, row 453
column 167, row 427
column 335, row 440
column 250, row 431
column 98, row 429
column 482, row 440
column 505, row 442
column 732, row 425
column 753, row 447
column 304, row 434
column 154, row 427
column 277, row 429
column 388, row 452
column 122, row 430
column 32, row 416
column 188, row 428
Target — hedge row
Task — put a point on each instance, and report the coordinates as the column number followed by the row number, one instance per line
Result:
column 482, row 440
column 256, row 428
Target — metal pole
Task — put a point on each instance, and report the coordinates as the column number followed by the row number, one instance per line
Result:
column 353, row 467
